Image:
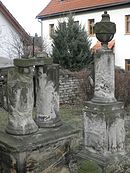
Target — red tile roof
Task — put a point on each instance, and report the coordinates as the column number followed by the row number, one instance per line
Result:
column 56, row 7
column 13, row 21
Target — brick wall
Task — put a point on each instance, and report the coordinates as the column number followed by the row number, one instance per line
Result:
column 69, row 87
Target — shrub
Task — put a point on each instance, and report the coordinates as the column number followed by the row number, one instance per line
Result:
column 86, row 84
column 71, row 45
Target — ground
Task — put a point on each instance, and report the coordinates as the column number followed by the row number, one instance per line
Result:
column 72, row 114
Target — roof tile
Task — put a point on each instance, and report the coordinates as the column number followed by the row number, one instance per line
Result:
column 58, row 6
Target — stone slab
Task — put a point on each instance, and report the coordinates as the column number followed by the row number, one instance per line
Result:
column 30, row 142
column 39, row 152
column 23, row 62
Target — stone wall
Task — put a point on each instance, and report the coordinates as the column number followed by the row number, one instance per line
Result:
column 69, row 88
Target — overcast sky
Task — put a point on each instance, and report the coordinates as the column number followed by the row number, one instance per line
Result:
column 25, row 12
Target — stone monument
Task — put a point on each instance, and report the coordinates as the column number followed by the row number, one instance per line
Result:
column 104, row 125
column 20, row 99
column 25, row 148
column 47, row 101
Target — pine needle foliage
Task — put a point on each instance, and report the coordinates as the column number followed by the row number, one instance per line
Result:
column 71, row 45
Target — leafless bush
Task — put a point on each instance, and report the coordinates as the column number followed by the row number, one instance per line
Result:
column 122, row 86
column 86, row 84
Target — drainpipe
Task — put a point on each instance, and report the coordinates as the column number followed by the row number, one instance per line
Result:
column 33, row 46
column 41, row 29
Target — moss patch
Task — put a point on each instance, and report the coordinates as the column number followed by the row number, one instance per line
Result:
column 3, row 118
column 89, row 166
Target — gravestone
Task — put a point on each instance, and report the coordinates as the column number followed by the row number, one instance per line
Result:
column 47, row 100
column 25, row 148
column 104, row 125
column 20, row 99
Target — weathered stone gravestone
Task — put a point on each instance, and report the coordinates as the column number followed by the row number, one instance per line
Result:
column 21, row 101
column 47, row 101
column 104, row 125
column 25, row 148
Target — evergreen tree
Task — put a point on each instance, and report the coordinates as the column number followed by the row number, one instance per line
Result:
column 71, row 45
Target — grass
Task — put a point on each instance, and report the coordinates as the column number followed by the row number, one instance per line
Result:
column 72, row 114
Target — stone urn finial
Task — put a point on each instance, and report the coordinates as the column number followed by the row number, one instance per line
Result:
column 105, row 30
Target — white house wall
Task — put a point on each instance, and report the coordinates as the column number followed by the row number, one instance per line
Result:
column 8, row 36
column 122, row 40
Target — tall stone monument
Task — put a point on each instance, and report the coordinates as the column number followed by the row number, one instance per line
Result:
column 104, row 129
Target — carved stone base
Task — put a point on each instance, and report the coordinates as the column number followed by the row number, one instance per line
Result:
column 104, row 129
column 47, row 124
column 22, row 129
column 103, row 100
column 43, row 151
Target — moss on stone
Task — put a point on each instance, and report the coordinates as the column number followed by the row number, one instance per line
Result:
column 89, row 166
column 3, row 118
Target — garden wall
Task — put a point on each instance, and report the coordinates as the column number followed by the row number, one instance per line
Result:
column 68, row 87
column 74, row 87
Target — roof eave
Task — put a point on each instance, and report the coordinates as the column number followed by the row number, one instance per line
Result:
column 42, row 17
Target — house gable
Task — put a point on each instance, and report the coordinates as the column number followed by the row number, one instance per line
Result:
column 13, row 22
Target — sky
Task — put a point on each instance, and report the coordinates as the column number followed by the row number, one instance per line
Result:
column 25, row 12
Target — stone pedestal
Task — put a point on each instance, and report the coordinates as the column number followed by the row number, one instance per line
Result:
column 47, row 100
column 104, row 76
column 20, row 101
column 104, row 128
column 103, row 116
column 43, row 151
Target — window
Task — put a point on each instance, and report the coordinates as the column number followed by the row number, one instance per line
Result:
column 127, row 24
column 51, row 29
column 76, row 23
column 62, row 25
column 91, row 26
column 127, row 64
